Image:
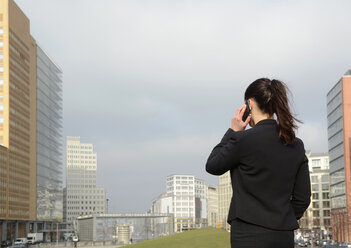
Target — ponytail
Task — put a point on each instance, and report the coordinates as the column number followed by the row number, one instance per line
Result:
column 271, row 97
column 280, row 106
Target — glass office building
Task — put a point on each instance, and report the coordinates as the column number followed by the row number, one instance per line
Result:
column 49, row 138
column 339, row 127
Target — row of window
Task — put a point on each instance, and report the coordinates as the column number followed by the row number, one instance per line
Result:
column 326, row 204
column 86, row 202
column 81, row 157
column 80, row 147
column 97, row 191
column 325, row 195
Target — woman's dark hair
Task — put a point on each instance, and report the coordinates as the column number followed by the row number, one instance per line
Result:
column 271, row 97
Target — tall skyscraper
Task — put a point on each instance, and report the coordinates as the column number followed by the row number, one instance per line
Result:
column 49, row 139
column 81, row 195
column 27, row 169
column 17, row 121
column 339, row 137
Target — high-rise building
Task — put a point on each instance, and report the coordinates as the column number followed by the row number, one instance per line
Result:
column 17, row 121
column 182, row 190
column 49, row 139
column 339, row 138
column 81, row 195
column 29, row 172
column 211, row 194
column 317, row 217
column 225, row 193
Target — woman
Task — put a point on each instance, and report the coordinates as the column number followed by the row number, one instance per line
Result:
column 268, row 169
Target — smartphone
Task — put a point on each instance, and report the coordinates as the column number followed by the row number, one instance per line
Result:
column 247, row 110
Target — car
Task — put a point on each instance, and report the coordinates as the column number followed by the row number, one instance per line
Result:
column 19, row 241
column 301, row 243
column 19, row 246
column 6, row 243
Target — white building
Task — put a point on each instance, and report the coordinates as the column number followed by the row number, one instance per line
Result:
column 185, row 198
column 225, row 193
column 317, row 216
column 182, row 190
column 81, row 195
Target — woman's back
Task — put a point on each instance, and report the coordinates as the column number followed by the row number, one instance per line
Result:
column 268, row 168
column 264, row 177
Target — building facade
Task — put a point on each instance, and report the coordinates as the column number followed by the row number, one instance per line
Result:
column 317, row 216
column 200, row 204
column 182, row 190
column 81, row 195
column 49, row 139
column 339, row 136
column 17, row 122
column 225, row 193
column 211, row 195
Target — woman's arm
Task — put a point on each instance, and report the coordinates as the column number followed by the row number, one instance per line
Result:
column 225, row 155
column 301, row 196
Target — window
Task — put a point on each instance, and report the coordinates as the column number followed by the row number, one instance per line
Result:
column 315, row 187
column 326, row 204
column 316, row 162
column 315, row 204
column 325, row 178
column 314, row 179
column 315, row 196
column 325, row 186
column 326, row 195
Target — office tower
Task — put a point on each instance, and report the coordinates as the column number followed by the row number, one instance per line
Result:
column 211, row 194
column 17, row 122
column 182, row 190
column 49, row 139
column 317, row 217
column 339, row 136
column 30, row 101
column 225, row 193
column 81, row 195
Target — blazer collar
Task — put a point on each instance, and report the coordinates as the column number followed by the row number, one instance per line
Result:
column 267, row 122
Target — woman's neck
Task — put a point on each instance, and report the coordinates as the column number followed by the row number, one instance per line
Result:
column 259, row 117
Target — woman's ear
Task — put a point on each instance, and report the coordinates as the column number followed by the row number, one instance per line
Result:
column 250, row 102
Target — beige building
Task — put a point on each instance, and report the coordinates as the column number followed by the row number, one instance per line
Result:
column 30, row 131
column 317, row 216
column 225, row 193
column 17, row 122
column 81, row 195
column 211, row 195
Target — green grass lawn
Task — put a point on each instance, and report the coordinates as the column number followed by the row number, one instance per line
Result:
column 205, row 238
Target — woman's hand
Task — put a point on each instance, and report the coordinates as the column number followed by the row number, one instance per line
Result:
column 237, row 120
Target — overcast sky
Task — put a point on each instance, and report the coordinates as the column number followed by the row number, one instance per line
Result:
column 153, row 84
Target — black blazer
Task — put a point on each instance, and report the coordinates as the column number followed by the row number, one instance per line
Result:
column 270, row 180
